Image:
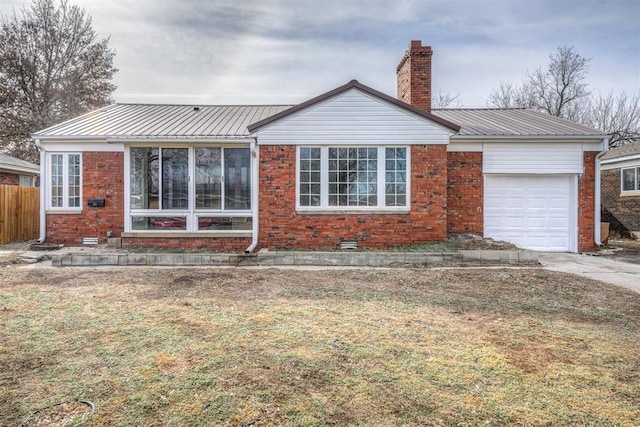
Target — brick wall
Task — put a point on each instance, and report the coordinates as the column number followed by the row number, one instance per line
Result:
column 9, row 178
column 216, row 244
column 623, row 213
column 465, row 198
column 414, row 76
column 102, row 177
column 282, row 228
column 586, row 203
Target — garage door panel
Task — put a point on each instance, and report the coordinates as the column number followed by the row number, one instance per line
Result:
column 531, row 211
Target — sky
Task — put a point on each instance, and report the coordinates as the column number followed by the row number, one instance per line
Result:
column 288, row 51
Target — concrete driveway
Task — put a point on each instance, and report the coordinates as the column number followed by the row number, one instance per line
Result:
column 594, row 267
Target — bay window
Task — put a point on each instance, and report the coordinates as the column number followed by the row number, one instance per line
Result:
column 194, row 188
column 65, row 182
column 353, row 178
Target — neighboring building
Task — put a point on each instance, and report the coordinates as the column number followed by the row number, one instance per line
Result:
column 352, row 164
column 14, row 171
column 620, row 196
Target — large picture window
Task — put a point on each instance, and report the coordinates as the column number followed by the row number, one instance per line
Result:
column 352, row 177
column 631, row 179
column 65, row 183
column 162, row 196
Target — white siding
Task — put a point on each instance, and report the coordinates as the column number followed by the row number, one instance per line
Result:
column 353, row 117
column 533, row 158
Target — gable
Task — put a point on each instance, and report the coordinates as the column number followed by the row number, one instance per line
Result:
column 353, row 117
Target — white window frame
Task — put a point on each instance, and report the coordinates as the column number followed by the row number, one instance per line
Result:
column 65, row 182
column 636, row 186
column 191, row 214
column 324, row 182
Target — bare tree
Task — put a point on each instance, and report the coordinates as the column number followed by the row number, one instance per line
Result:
column 446, row 100
column 562, row 91
column 52, row 68
column 618, row 116
column 559, row 90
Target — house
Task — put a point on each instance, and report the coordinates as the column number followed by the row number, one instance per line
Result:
column 352, row 164
column 621, row 189
column 14, row 171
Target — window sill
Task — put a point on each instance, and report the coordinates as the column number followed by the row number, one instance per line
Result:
column 380, row 211
column 64, row 211
column 185, row 234
column 634, row 193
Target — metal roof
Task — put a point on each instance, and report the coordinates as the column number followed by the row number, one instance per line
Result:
column 236, row 121
column 11, row 163
column 154, row 121
column 626, row 150
column 513, row 123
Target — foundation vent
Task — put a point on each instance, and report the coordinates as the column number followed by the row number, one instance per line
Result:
column 348, row 244
column 90, row 241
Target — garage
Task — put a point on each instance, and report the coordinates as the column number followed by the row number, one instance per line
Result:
column 535, row 212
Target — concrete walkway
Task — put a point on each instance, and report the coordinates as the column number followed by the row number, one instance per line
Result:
column 594, row 267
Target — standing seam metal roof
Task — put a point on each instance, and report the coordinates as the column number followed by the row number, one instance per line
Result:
column 513, row 122
column 232, row 121
column 148, row 120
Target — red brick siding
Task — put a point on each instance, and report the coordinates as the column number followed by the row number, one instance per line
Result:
column 622, row 212
column 282, row 228
column 586, row 203
column 414, row 76
column 216, row 244
column 9, row 178
column 465, row 197
column 102, row 177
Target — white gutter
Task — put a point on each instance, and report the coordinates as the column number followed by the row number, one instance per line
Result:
column 43, row 190
column 254, row 197
column 597, row 216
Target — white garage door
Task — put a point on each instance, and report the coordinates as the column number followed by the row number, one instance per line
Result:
column 532, row 211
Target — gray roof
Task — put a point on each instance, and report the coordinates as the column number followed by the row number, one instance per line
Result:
column 632, row 149
column 13, row 164
column 232, row 121
column 147, row 120
column 513, row 123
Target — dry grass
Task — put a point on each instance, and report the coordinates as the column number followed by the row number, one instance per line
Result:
column 258, row 347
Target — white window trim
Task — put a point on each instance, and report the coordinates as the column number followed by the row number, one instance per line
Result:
column 636, row 189
column 65, row 184
column 324, row 183
column 192, row 214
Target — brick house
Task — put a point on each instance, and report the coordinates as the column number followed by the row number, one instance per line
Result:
column 620, row 190
column 352, row 164
column 15, row 171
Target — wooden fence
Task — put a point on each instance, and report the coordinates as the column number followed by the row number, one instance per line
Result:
column 19, row 213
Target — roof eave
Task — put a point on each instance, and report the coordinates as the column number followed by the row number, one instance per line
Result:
column 527, row 138
column 18, row 169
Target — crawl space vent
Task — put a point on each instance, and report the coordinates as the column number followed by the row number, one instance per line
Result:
column 348, row 244
column 90, row 241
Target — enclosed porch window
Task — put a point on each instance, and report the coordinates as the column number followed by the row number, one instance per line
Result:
column 190, row 188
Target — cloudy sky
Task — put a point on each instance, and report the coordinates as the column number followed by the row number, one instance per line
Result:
column 287, row 51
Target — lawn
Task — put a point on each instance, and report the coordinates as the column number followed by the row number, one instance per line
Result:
column 262, row 347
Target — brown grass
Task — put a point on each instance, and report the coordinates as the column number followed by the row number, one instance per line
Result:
column 261, row 347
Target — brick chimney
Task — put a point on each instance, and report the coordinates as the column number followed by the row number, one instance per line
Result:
column 414, row 76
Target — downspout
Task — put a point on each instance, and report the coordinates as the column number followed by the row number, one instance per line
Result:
column 254, row 198
column 597, row 214
column 43, row 189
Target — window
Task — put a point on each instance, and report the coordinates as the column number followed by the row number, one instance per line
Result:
column 26, row 181
column 631, row 179
column 65, row 181
column 163, row 197
column 353, row 177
